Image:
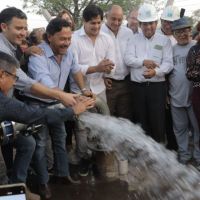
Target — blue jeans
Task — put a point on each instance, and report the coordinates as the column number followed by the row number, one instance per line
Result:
column 25, row 147
column 58, row 136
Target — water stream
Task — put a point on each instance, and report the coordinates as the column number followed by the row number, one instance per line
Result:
column 153, row 170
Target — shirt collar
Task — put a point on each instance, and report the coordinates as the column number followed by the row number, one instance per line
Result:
column 109, row 30
column 47, row 49
column 148, row 39
column 83, row 33
column 8, row 44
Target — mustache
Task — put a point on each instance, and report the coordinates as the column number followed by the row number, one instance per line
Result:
column 64, row 46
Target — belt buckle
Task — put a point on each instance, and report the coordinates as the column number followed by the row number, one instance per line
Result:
column 147, row 83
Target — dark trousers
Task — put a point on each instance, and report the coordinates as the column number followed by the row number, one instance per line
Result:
column 148, row 101
column 7, row 152
column 171, row 139
column 119, row 98
column 196, row 103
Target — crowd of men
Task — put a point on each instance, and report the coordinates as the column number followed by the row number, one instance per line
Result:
column 138, row 70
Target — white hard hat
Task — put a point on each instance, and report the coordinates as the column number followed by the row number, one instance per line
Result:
column 170, row 13
column 147, row 13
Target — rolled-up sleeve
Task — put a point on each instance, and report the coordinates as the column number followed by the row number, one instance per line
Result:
column 74, row 49
column 24, row 83
column 111, row 54
column 75, row 67
column 38, row 70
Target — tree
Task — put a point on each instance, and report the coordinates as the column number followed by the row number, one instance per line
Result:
column 196, row 16
column 75, row 7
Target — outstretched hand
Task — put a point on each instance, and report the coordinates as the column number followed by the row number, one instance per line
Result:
column 83, row 103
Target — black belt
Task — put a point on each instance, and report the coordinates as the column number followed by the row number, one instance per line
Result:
column 114, row 80
column 147, row 83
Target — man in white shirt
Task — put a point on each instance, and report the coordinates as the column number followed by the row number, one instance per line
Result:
column 150, row 57
column 118, row 84
column 95, row 53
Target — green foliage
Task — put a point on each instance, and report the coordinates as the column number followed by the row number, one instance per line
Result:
column 75, row 7
column 196, row 16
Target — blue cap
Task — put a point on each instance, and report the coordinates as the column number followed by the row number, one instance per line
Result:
column 183, row 22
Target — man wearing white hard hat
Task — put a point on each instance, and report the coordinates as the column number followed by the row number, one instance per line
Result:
column 149, row 55
column 170, row 14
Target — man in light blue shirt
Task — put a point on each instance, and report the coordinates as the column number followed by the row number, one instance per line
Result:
column 52, row 70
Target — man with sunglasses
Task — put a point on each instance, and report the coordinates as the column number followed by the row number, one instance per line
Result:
column 180, row 88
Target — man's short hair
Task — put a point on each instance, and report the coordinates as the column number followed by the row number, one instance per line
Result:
column 54, row 26
column 92, row 11
column 7, row 62
column 7, row 15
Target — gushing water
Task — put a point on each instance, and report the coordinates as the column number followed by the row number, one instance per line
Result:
column 153, row 170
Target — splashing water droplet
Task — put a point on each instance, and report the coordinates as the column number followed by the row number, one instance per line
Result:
column 153, row 170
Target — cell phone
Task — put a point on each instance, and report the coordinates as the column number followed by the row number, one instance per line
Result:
column 13, row 192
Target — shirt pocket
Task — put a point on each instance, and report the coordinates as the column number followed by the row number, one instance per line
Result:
column 156, row 53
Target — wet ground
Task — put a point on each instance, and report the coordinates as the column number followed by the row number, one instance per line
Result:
column 91, row 188
column 100, row 190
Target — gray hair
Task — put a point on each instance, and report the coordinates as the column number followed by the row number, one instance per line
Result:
column 7, row 62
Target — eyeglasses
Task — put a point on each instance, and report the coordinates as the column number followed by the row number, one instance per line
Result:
column 14, row 77
column 182, row 31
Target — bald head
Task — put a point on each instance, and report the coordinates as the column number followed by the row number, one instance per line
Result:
column 115, row 8
column 114, row 18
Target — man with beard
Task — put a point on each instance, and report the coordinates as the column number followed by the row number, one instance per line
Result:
column 13, row 30
column 52, row 69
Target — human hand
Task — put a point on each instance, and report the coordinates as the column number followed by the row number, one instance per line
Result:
column 34, row 50
column 108, row 83
column 88, row 93
column 149, row 73
column 68, row 99
column 105, row 65
column 149, row 64
column 83, row 103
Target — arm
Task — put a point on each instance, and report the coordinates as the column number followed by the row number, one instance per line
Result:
column 33, row 50
column 130, row 57
column 105, row 65
column 19, row 112
column 46, row 88
column 167, row 60
column 14, row 110
column 193, row 68
column 78, row 77
column 42, row 91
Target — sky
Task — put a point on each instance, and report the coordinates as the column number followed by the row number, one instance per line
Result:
column 36, row 21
